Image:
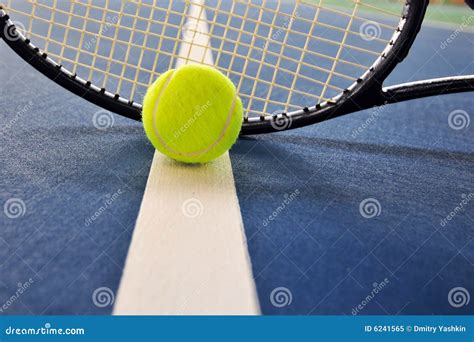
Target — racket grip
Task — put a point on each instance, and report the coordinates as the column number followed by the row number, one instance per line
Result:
column 435, row 87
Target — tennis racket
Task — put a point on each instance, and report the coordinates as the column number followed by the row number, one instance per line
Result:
column 294, row 63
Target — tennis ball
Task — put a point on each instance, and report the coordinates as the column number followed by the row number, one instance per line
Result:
column 192, row 114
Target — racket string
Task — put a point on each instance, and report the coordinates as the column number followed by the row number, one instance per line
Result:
column 339, row 51
column 132, row 30
column 280, row 55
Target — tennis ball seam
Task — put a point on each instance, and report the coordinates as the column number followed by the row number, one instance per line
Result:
column 199, row 152
column 155, row 109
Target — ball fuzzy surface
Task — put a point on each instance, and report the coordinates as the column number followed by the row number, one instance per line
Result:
column 192, row 114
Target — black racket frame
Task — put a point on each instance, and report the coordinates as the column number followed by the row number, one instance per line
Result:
column 367, row 92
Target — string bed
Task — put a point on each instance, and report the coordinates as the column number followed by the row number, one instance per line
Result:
column 280, row 54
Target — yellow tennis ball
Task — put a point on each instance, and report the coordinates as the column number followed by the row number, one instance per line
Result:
column 192, row 114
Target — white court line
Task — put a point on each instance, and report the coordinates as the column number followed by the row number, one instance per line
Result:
column 188, row 253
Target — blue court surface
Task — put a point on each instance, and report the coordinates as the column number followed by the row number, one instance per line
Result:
column 372, row 213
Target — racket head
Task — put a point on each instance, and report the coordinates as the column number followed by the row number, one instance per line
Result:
column 311, row 79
